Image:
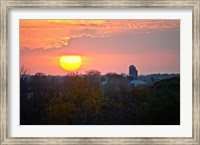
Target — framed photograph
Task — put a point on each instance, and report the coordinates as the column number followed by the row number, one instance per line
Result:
column 100, row 72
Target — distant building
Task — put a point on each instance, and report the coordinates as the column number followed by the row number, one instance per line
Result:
column 133, row 73
column 133, row 78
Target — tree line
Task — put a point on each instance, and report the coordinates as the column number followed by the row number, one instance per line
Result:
column 85, row 100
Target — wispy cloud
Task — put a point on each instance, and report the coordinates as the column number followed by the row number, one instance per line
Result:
column 48, row 34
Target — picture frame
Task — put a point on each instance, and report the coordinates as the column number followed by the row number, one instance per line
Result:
column 4, row 57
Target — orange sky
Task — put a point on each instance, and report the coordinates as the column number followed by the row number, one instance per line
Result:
column 153, row 46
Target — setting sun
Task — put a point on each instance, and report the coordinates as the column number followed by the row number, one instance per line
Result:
column 70, row 62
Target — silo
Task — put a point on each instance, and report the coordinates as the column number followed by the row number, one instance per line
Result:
column 133, row 72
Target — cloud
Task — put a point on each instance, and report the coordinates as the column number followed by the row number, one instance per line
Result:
column 48, row 34
column 143, row 43
column 162, row 41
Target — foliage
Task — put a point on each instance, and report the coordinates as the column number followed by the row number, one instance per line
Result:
column 84, row 100
column 80, row 101
column 164, row 102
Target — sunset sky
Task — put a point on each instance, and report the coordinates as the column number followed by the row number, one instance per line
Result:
column 153, row 46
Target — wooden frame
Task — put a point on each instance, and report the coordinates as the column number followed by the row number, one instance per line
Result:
column 7, row 4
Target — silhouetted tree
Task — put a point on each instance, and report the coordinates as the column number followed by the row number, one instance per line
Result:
column 95, row 99
column 164, row 102
column 24, row 86
column 79, row 104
